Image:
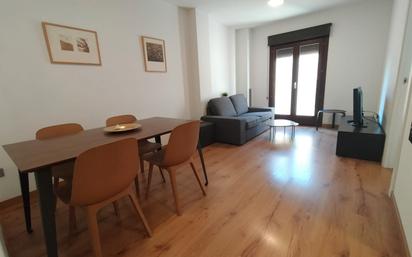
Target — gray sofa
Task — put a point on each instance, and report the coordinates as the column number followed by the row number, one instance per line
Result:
column 235, row 122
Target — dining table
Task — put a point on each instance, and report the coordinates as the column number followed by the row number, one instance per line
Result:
column 38, row 156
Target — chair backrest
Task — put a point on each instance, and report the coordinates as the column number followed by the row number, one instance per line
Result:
column 182, row 143
column 104, row 171
column 121, row 119
column 58, row 131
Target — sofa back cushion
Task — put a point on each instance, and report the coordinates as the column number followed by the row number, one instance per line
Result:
column 240, row 103
column 221, row 106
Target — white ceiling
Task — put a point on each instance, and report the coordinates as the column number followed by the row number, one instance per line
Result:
column 241, row 13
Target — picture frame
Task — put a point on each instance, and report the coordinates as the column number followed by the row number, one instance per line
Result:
column 154, row 54
column 70, row 45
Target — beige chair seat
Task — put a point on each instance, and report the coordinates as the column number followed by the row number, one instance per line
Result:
column 103, row 175
column 148, row 147
column 63, row 170
column 182, row 145
column 145, row 146
column 155, row 157
column 64, row 191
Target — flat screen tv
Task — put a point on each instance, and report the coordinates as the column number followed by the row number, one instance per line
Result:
column 357, row 107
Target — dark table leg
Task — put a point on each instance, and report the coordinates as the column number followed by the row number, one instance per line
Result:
column 270, row 134
column 333, row 119
column 47, row 209
column 199, row 150
column 158, row 139
column 25, row 193
column 318, row 121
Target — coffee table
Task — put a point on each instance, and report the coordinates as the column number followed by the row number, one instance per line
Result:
column 333, row 111
column 281, row 123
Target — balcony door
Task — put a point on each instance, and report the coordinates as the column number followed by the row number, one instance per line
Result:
column 297, row 79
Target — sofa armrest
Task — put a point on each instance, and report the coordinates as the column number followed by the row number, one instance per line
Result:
column 231, row 130
column 259, row 109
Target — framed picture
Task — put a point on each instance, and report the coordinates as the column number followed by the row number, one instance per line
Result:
column 154, row 54
column 68, row 45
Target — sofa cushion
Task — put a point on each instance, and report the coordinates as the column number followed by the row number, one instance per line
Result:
column 240, row 103
column 221, row 106
column 251, row 121
column 263, row 116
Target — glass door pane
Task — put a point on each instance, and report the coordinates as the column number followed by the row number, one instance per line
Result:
column 307, row 80
column 283, row 81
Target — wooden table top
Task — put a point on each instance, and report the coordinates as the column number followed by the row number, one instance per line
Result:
column 33, row 154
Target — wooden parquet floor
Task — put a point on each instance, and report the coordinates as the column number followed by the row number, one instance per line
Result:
column 279, row 200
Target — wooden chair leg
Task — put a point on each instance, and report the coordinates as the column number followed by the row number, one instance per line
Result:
column 141, row 164
column 136, row 184
column 55, row 182
column 161, row 173
column 197, row 178
column 72, row 219
column 149, row 180
column 116, row 208
column 94, row 231
column 55, row 186
column 140, row 213
column 172, row 174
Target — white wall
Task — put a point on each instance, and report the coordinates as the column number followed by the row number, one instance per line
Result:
column 357, row 49
column 188, row 40
column 216, row 57
column 243, row 62
column 393, row 57
column 35, row 93
column 396, row 105
column 222, row 54
column 394, row 90
column 203, row 47
column 208, row 58
column 403, row 182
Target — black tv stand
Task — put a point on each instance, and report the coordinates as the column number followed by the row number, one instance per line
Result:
column 352, row 122
column 366, row 142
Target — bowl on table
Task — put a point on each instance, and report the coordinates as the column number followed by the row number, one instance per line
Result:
column 122, row 127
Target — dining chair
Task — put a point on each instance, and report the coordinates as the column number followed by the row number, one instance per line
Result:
column 64, row 170
column 145, row 146
column 103, row 175
column 178, row 152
